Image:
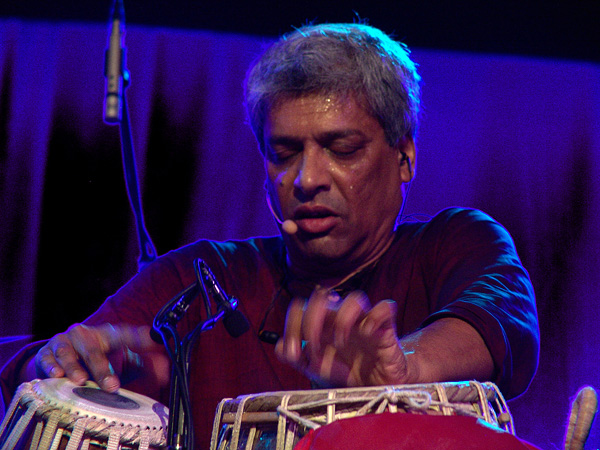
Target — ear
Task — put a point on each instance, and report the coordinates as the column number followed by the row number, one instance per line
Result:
column 407, row 158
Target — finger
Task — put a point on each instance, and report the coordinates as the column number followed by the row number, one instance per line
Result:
column 93, row 346
column 381, row 317
column 289, row 347
column 353, row 308
column 314, row 319
column 67, row 360
column 46, row 364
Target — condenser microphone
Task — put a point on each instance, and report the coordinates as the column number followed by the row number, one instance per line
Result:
column 288, row 226
column 234, row 320
column 114, row 65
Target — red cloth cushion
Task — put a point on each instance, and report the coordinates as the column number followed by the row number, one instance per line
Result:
column 389, row 431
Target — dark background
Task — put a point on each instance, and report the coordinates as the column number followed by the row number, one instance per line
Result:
column 553, row 28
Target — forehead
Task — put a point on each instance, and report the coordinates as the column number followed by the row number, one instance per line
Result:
column 318, row 112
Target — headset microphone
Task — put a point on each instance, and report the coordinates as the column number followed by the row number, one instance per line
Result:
column 288, row 226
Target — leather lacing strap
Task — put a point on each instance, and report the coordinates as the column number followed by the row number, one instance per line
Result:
column 22, row 423
column 59, row 421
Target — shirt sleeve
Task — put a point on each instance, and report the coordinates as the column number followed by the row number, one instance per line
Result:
column 141, row 298
column 136, row 303
column 479, row 278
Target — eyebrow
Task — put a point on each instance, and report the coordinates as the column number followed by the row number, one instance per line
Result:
column 327, row 136
column 282, row 140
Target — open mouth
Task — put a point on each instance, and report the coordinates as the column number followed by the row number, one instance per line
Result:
column 315, row 220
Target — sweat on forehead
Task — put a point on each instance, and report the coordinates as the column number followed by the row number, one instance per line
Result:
column 324, row 101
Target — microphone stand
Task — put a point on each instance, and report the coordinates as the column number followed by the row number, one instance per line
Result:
column 116, row 113
column 180, row 431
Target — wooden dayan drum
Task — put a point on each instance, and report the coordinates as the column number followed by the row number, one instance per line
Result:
column 278, row 420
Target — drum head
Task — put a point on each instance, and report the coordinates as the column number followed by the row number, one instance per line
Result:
column 125, row 407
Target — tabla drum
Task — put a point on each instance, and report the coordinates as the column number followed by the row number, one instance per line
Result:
column 56, row 414
column 278, row 420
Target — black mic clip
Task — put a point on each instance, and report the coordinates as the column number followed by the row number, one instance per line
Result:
column 207, row 286
column 234, row 320
column 176, row 308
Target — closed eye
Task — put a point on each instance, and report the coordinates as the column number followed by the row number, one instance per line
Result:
column 281, row 150
column 344, row 150
column 345, row 147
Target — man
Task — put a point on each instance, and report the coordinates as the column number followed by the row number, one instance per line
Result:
column 357, row 298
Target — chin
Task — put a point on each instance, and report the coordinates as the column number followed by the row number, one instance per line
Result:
column 324, row 251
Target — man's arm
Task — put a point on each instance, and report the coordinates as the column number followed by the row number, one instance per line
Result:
column 448, row 349
column 482, row 306
column 107, row 354
column 347, row 343
column 94, row 350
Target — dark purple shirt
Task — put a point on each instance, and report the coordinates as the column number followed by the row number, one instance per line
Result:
column 459, row 264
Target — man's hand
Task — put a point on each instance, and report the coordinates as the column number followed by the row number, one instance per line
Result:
column 347, row 342
column 107, row 354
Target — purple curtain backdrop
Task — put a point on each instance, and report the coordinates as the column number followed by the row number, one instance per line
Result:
column 518, row 138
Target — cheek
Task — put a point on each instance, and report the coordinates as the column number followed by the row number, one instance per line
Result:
column 377, row 188
column 359, row 183
column 278, row 185
column 275, row 178
column 280, row 182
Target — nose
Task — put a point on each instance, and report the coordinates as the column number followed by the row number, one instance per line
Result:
column 313, row 174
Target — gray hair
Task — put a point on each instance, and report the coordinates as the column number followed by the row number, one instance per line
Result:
column 338, row 59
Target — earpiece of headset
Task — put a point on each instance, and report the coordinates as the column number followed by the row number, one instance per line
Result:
column 405, row 157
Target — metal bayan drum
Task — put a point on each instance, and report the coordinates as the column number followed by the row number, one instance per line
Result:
column 278, row 420
column 57, row 414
